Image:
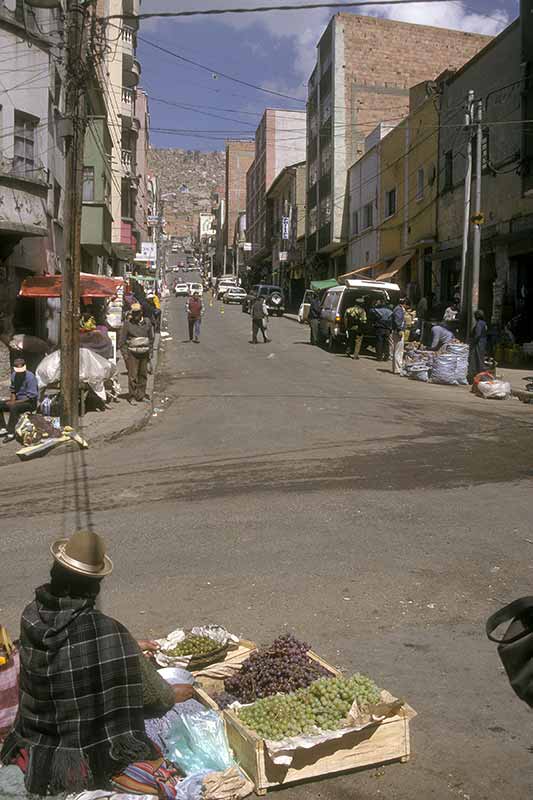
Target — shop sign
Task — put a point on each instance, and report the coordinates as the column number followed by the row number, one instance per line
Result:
column 149, row 251
column 283, row 256
column 285, row 227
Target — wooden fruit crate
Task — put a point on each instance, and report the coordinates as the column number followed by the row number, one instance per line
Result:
column 370, row 747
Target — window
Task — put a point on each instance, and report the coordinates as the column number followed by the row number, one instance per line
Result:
column 57, row 199
column 313, row 219
column 88, row 184
column 325, row 109
column 325, row 210
column 355, row 223
column 107, row 190
column 448, row 169
column 325, row 159
column 420, row 184
column 368, row 216
column 390, row 203
column 24, row 160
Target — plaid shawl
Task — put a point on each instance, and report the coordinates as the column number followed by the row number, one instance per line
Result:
column 81, row 697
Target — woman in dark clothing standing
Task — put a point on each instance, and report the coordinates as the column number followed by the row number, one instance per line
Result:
column 478, row 346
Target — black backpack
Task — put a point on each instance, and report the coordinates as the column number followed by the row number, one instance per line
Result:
column 515, row 648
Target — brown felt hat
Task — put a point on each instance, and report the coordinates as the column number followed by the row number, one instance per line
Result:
column 84, row 553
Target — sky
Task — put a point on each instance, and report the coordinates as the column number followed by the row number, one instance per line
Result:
column 275, row 50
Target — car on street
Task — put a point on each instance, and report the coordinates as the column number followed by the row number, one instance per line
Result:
column 331, row 331
column 181, row 289
column 235, row 294
column 271, row 294
column 196, row 288
column 223, row 285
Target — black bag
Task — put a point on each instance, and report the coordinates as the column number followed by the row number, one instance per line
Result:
column 516, row 647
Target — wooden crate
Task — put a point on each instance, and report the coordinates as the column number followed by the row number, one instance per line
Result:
column 372, row 746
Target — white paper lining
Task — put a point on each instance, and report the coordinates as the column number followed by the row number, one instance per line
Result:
column 216, row 632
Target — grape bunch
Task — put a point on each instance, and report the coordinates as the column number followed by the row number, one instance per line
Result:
column 282, row 667
column 193, row 646
column 323, row 705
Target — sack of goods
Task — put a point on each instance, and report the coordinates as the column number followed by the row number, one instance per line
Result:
column 461, row 351
column 494, row 390
column 417, row 365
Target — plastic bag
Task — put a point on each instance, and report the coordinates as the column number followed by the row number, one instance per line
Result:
column 461, row 369
column 94, row 370
column 494, row 390
column 197, row 742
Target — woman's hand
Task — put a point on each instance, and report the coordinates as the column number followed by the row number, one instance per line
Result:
column 148, row 644
column 183, row 692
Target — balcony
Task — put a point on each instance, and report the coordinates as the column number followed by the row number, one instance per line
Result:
column 128, row 161
column 128, row 102
column 23, row 208
column 131, row 71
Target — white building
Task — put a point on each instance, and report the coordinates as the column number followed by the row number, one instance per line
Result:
column 364, row 205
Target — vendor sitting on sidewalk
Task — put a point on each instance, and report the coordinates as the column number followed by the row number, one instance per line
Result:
column 24, row 396
column 85, row 688
column 440, row 336
column 135, row 343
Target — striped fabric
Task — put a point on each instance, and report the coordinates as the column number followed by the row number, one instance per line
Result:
column 9, row 693
column 149, row 777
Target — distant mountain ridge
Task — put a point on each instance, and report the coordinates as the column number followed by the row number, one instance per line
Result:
column 194, row 177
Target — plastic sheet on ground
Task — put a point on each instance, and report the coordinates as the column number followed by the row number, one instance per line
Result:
column 216, row 632
column 94, row 370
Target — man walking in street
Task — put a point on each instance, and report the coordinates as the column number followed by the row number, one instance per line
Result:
column 24, row 394
column 381, row 318
column 354, row 321
column 398, row 329
column 259, row 312
column 135, row 343
column 195, row 309
column 314, row 318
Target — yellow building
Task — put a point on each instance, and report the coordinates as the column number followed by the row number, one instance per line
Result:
column 408, row 195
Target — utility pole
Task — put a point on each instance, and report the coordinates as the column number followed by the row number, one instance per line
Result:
column 477, row 217
column 468, row 191
column 75, row 58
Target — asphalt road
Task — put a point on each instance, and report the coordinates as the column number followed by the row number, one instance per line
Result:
column 283, row 488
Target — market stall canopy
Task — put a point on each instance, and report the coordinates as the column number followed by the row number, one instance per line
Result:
column 379, row 265
column 398, row 264
column 50, row 286
column 319, row 285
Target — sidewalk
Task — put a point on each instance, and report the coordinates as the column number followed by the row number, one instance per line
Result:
column 514, row 375
column 96, row 426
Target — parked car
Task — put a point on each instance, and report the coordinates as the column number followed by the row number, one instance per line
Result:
column 223, row 284
column 272, row 295
column 337, row 299
column 196, row 287
column 181, row 289
column 235, row 294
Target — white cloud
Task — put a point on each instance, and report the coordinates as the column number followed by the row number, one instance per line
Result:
column 301, row 30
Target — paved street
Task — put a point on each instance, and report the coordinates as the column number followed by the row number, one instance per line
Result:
column 282, row 488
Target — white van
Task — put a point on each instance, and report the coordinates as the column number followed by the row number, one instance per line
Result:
column 337, row 299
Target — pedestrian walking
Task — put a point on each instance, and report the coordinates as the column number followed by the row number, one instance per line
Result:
column 313, row 318
column 354, row 322
column 478, row 346
column 381, row 316
column 24, row 393
column 259, row 312
column 398, row 329
column 135, row 343
column 195, row 309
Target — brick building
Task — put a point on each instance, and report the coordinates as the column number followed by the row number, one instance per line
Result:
column 279, row 141
column 239, row 157
column 365, row 67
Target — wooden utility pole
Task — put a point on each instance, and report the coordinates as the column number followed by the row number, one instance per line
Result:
column 75, row 125
column 477, row 218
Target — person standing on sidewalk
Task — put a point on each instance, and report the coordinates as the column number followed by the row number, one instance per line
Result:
column 195, row 309
column 135, row 343
column 24, row 394
column 398, row 329
column 313, row 318
column 354, row 321
column 259, row 312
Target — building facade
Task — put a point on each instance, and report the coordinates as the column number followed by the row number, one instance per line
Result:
column 286, row 215
column 239, row 157
column 279, row 142
column 31, row 162
column 497, row 77
column 365, row 67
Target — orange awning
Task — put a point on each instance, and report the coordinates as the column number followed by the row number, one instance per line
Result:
column 50, row 286
column 395, row 267
column 359, row 270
